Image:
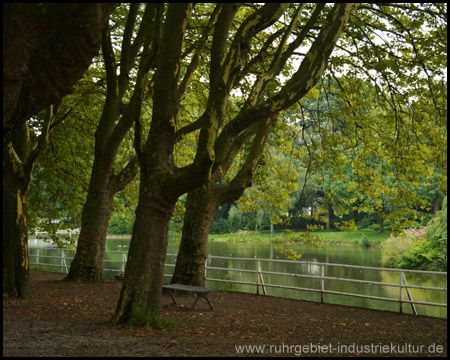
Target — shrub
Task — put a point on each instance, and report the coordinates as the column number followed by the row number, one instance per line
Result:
column 421, row 249
column 120, row 225
column 397, row 246
column 365, row 242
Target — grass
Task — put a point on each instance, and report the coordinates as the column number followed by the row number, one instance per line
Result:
column 328, row 236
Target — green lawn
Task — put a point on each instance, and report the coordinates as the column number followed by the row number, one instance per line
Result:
column 374, row 237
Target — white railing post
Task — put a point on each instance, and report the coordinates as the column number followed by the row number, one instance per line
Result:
column 413, row 306
column 124, row 260
column 322, row 282
column 260, row 277
column 37, row 259
column 257, row 278
column 401, row 292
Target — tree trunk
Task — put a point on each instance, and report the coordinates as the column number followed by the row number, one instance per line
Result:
column 190, row 266
column 381, row 222
column 436, row 204
column 15, row 240
column 141, row 293
column 161, row 183
column 19, row 158
column 18, row 162
column 87, row 266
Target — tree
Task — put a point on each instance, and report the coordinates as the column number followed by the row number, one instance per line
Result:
column 202, row 204
column 344, row 133
column 46, row 48
column 161, row 182
column 19, row 159
column 118, row 115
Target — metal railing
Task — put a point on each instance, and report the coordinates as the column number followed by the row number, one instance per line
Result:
column 261, row 284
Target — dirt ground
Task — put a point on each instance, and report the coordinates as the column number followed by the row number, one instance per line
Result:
column 67, row 319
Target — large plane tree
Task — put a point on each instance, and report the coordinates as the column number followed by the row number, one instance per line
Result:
column 46, row 49
column 234, row 30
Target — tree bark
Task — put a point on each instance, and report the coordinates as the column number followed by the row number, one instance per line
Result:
column 161, row 182
column 16, row 186
column 329, row 209
column 19, row 158
column 381, row 216
column 190, row 265
column 87, row 265
column 140, row 297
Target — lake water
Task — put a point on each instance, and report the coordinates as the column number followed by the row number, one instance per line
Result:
column 351, row 255
column 337, row 254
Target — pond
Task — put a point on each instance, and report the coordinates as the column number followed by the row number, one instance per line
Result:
column 335, row 254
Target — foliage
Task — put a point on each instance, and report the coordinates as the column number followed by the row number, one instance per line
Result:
column 226, row 286
column 334, row 117
column 436, row 235
column 314, row 241
column 421, row 249
column 120, row 225
column 365, row 242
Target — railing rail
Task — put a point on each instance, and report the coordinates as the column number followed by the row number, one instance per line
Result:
column 261, row 283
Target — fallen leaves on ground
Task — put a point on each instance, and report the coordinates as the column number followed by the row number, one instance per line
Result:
column 70, row 319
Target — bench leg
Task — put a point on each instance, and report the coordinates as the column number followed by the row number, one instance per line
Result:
column 202, row 296
column 171, row 295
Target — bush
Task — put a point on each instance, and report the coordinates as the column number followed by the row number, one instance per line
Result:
column 365, row 242
column 220, row 226
column 420, row 249
column 120, row 225
column 398, row 246
column 436, row 235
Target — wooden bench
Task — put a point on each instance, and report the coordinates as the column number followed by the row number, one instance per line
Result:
column 201, row 292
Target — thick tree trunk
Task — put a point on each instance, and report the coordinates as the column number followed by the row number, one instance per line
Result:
column 161, row 183
column 19, row 158
column 16, row 186
column 141, row 293
column 190, row 266
column 87, row 266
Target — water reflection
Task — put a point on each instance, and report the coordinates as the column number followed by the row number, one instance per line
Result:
column 350, row 255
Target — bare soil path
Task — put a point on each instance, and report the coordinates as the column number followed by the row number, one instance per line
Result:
column 67, row 319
